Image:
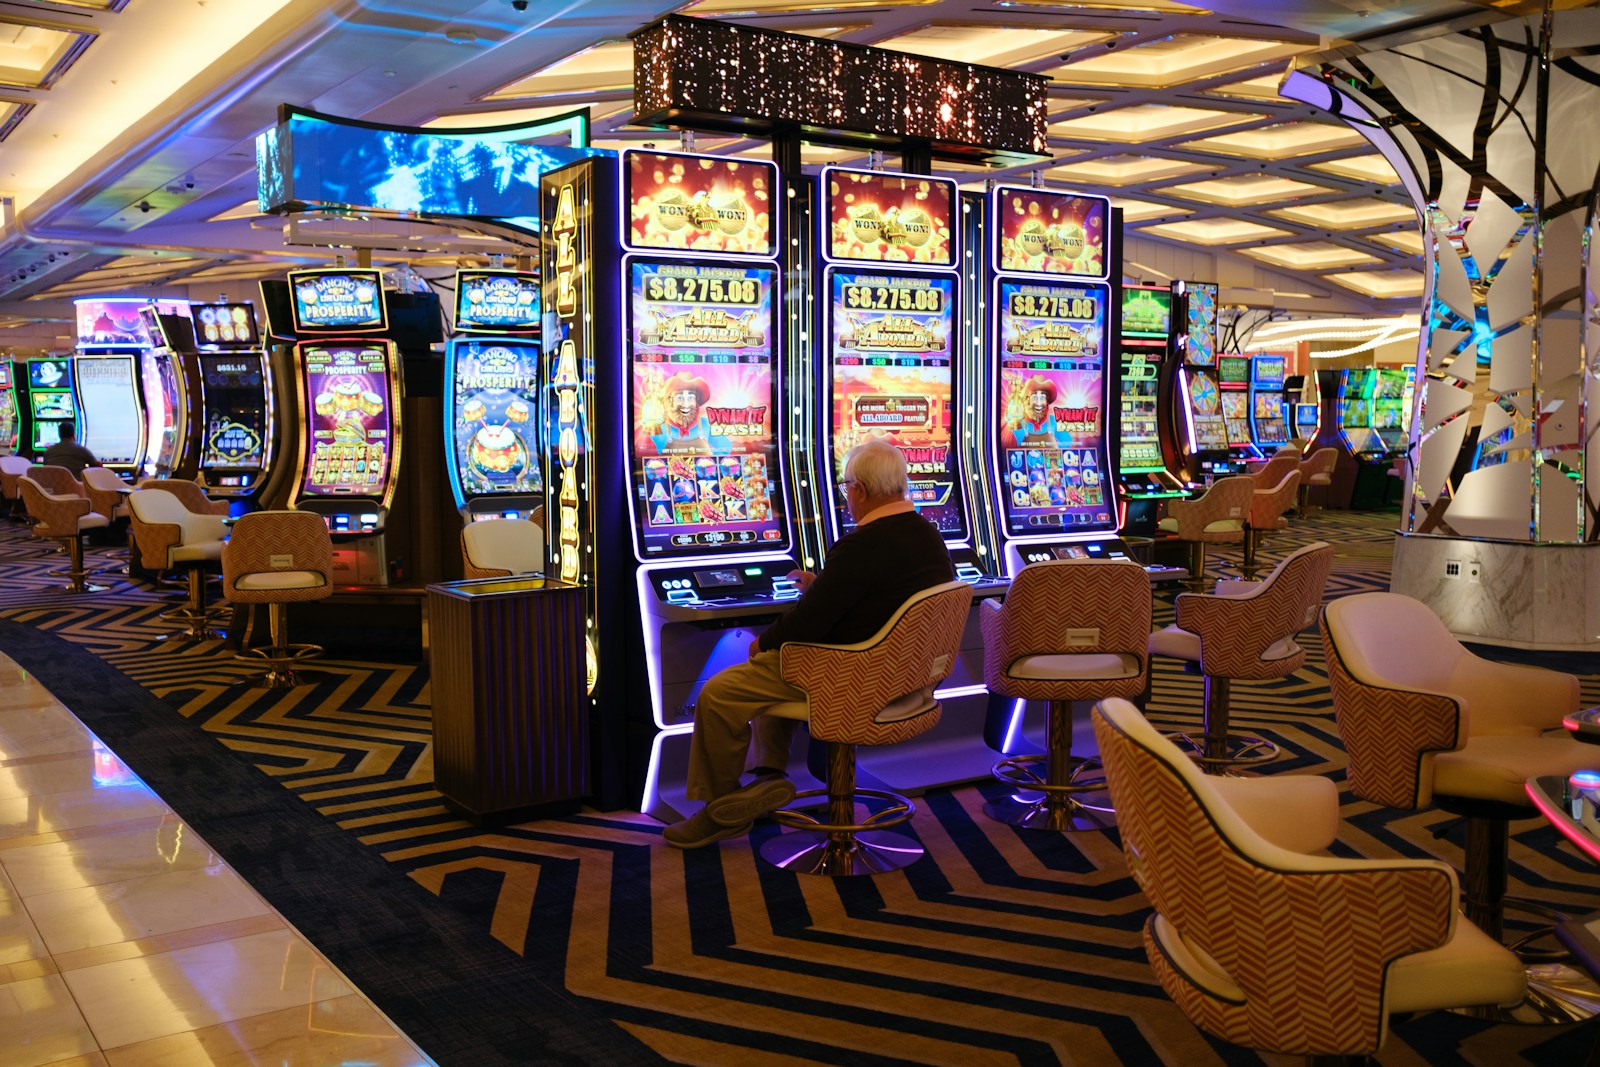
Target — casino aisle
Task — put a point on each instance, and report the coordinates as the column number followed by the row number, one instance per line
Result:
column 573, row 940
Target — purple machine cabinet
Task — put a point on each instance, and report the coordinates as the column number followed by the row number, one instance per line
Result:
column 510, row 719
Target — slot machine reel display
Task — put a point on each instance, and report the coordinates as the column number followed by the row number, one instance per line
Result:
column 236, row 399
column 111, row 337
column 1233, row 379
column 52, row 401
column 1202, row 433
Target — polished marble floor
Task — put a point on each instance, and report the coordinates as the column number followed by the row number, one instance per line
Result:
column 126, row 941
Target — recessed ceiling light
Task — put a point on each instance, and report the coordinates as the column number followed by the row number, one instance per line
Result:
column 461, row 36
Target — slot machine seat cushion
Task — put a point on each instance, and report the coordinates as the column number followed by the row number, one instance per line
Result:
column 1220, row 526
column 874, row 692
column 1373, row 937
column 194, row 498
column 170, row 535
column 107, row 493
column 496, row 548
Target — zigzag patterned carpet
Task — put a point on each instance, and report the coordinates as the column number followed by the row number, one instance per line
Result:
column 584, row 940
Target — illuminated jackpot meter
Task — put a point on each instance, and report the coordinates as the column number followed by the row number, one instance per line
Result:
column 1142, row 365
column 348, row 391
column 9, row 421
column 235, row 400
column 491, row 410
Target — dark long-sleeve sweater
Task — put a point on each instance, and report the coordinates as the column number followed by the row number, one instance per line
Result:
column 869, row 573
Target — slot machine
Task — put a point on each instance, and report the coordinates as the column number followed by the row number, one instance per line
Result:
column 169, row 383
column 491, row 409
column 1050, row 303
column 1356, row 432
column 1391, row 407
column 1305, row 399
column 9, row 422
column 111, row 340
column 46, row 386
column 1233, row 383
column 347, row 381
column 1201, row 433
column 890, row 299
column 237, row 410
column 1269, row 425
column 1143, row 367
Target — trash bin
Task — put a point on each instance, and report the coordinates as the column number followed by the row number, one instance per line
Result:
column 510, row 714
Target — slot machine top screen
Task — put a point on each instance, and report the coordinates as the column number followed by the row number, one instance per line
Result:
column 886, row 217
column 338, row 301
column 50, row 374
column 1146, row 312
column 493, row 444
column 349, row 415
column 1041, row 232
column 226, row 325
column 705, row 467
column 892, row 377
column 699, row 205
column 1233, row 370
column 1268, row 371
column 1051, row 354
column 1200, row 328
column 497, row 301
column 112, row 322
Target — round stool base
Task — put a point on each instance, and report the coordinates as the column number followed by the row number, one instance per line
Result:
column 83, row 587
column 1081, row 811
column 866, row 852
column 1557, row 993
column 280, row 663
column 1240, row 751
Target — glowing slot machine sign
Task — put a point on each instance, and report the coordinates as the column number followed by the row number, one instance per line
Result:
column 1043, row 232
column 705, row 466
column 698, row 205
column 879, row 216
column 339, row 299
column 893, row 378
column 1051, row 437
column 351, row 426
column 493, row 440
column 497, row 301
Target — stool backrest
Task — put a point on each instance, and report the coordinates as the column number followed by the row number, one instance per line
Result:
column 495, row 547
column 194, row 498
column 850, row 687
column 53, row 479
column 1279, row 465
column 11, row 468
column 156, row 521
column 1321, row 461
column 1251, row 635
column 1226, row 501
column 104, row 489
column 1271, row 501
column 265, row 542
column 1072, row 607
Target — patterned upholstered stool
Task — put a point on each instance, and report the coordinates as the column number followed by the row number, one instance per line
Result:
column 62, row 517
column 173, row 538
column 58, row 482
column 1316, row 469
column 875, row 692
column 1068, row 630
column 1245, row 630
column 1424, row 721
column 1215, row 517
column 108, row 495
column 1258, row 935
column 194, row 498
column 495, row 548
column 278, row 558
column 1267, row 509
column 11, row 469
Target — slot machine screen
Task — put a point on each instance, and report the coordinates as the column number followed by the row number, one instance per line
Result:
column 1051, row 341
column 497, row 301
column 1236, row 414
column 111, row 409
column 236, row 416
column 1269, row 405
column 349, row 419
column 705, row 467
column 49, row 411
column 887, row 217
column 1044, row 232
column 1268, row 371
column 1233, row 370
column 681, row 203
column 494, row 443
column 338, row 300
column 1138, row 439
column 226, row 325
column 1305, row 416
column 111, row 323
column 1200, row 328
column 892, row 377
column 1205, row 407
column 1146, row 312
column 1353, row 414
column 158, row 374
column 50, row 374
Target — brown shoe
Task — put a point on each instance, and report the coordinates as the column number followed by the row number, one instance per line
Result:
column 742, row 806
column 699, row 830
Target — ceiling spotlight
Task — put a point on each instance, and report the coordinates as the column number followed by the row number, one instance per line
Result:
column 461, row 36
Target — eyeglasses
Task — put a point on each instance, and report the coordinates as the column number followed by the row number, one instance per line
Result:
column 846, row 483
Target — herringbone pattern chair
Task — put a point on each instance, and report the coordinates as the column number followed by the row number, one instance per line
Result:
column 12, row 468
column 1316, row 469
column 63, row 517
column 194, row 498
column 495, row 548
column 278, row 558
column 1217, row 516
column 875, row 692
column 170, row 537
column 1267, row 510
column 1262, row 938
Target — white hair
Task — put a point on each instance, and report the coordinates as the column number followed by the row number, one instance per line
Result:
column 879, row 468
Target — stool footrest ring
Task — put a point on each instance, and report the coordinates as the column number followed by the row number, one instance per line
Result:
column 898, row 810
column 1240, row 750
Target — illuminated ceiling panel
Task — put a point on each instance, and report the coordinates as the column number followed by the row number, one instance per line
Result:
column 1247, row 189
column 1381, row 284
column 1368, row 168
column 1348, row 214
column 1137, row 5
column 1142, row 210
column 1124, row 170
column 1173, row 60
column 1280, row 141
column 34, row 55
column 605, row 66
column 597, row 111
column 991, row 45
column 1221, row 231
column 1264, row 87
column 1312, row 255
column 1409, row 241
column 732, row 9
column 11, row 113
column 1146, row 122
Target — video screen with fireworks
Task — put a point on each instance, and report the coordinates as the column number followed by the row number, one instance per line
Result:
column 699, row 204
column 1051, row 347
column 1041, row 232
column 884, row 217
column 705, row 468
column 893, row 377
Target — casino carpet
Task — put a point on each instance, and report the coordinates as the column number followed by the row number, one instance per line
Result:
column 584, row 940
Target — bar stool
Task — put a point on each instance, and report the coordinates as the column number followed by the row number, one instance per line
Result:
column 65, row 518
column 1215, row 517
column 194, row 498
column 1068, row 630
column 278, row 558
column 1424, row 721
column 1244, row 631
column 495, row 548
column 1267, row 510
column 171, row 537
column 11, row 469
column 1272, row 471
column 108, row 494
column 876, row 692
column 1316, row 469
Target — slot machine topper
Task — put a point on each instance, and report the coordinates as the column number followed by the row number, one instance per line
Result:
column 492, row 383
column 111, row 338
column 348, row 386
column 1202, row 432
column 236, row 399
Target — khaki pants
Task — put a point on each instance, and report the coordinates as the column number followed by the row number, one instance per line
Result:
column 723, row 726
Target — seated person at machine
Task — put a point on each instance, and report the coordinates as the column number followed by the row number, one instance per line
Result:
column 68, row 453
column 892, row 554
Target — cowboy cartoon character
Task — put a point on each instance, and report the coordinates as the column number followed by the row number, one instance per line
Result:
column 1038, row 422
column 686, row 429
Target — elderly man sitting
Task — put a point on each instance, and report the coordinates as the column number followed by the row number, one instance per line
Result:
column 891, row 554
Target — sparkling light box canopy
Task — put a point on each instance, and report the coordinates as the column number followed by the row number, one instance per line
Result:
column 705, row 75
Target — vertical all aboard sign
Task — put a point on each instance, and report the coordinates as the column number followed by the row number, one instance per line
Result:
column 566, row 203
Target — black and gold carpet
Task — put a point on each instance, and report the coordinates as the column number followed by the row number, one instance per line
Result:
column 584, row 940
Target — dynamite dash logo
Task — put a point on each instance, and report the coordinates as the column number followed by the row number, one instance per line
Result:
column 738, row 422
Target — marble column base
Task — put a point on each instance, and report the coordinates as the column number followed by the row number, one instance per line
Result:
column 1505, row 592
